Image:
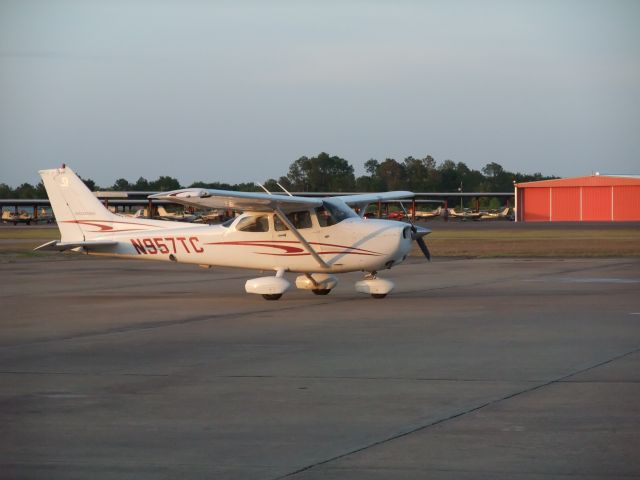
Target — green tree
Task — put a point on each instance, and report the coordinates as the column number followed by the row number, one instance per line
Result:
column 91, row 185
column 449, row 176
column 321, row 173
column 371, row 182
column 371, row 166
column 432, row 181
column 26, row 190
column 392, row 174
column 6, row 191
column 122, row 185
column 497, row 179
column 211, row 185
column 493, row 170
column 416, row 174
column 41, row 192
column 164, row 184
column 142, row 185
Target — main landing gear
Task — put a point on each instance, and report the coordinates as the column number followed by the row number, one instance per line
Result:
column 321, row 291
column 272, row 288
column 318, row 283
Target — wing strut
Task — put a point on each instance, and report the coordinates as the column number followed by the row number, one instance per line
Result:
column 299, row 236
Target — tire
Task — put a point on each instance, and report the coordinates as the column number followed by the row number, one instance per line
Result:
column 271, row 296
column 321, row 291
column 378, row 295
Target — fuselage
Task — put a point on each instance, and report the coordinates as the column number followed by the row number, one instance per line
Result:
column 259, row 240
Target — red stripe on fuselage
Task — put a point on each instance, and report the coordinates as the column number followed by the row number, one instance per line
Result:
column 294, row 250
column 108, row 228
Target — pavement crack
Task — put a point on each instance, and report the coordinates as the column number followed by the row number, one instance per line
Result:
column 460, row 414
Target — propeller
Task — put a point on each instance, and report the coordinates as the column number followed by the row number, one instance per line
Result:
column 417, row 233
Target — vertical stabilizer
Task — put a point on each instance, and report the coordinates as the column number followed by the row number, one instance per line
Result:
column 72, row 202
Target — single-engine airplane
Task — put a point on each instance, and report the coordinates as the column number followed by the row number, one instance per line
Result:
column 316, row 237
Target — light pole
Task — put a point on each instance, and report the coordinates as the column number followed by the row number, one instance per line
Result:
column 460, row 190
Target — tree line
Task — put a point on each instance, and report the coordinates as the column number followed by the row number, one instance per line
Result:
column 326, row 173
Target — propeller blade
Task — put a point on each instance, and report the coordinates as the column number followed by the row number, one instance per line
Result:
column 423, row 247
column 419, row 232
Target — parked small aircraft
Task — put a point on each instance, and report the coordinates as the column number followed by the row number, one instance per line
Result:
column 16, row 218
column 464, row 215
column 24, row 217
column 317, row 237
column 162, row 214
column 428, row 215
column 502, row 215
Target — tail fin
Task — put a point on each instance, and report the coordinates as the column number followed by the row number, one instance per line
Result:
column 73, row 204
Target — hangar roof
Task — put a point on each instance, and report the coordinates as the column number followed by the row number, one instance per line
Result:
column 587, row 181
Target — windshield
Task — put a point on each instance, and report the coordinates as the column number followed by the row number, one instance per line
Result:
column 228, row 223
column 333, row 211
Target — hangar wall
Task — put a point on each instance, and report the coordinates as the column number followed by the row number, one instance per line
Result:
column 596, row 198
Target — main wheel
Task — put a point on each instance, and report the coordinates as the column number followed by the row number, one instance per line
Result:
column 378, row 295
column 271, row 296
column 321, row 291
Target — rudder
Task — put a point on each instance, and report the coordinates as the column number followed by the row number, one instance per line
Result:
column 72, row 203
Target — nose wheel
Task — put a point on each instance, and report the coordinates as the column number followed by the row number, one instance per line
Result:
column 272, row 296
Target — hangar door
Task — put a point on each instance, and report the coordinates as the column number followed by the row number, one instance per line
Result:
column 576, row 204
column 565, row 204
column 536, row 204
column 626, row 203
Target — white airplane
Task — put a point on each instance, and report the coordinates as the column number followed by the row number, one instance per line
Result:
column 316, row 237
column 502, row 215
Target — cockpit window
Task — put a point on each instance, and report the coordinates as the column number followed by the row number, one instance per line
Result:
column 253, row 224
column 332, row 212
column 300, row 220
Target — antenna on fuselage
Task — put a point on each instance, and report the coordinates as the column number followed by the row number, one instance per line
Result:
column 264, row 188
column 284, row 189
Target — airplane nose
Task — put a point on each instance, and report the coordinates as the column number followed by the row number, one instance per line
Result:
column 404, row 245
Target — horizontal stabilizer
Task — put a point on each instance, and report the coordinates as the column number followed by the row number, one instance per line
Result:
column 57, row 246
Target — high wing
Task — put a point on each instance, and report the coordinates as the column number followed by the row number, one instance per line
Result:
column 247, row 201
column 361, row 201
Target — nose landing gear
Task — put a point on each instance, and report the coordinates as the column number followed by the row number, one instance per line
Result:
column 374, row 286
column 271, row 288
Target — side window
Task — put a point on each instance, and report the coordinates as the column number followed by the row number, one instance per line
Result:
column 253, row 224
column 324, row 217
column 300, row 220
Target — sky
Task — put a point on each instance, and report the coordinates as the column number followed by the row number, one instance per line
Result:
column 235, row 91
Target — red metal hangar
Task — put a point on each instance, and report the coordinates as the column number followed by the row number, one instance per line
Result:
column 595, row 198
